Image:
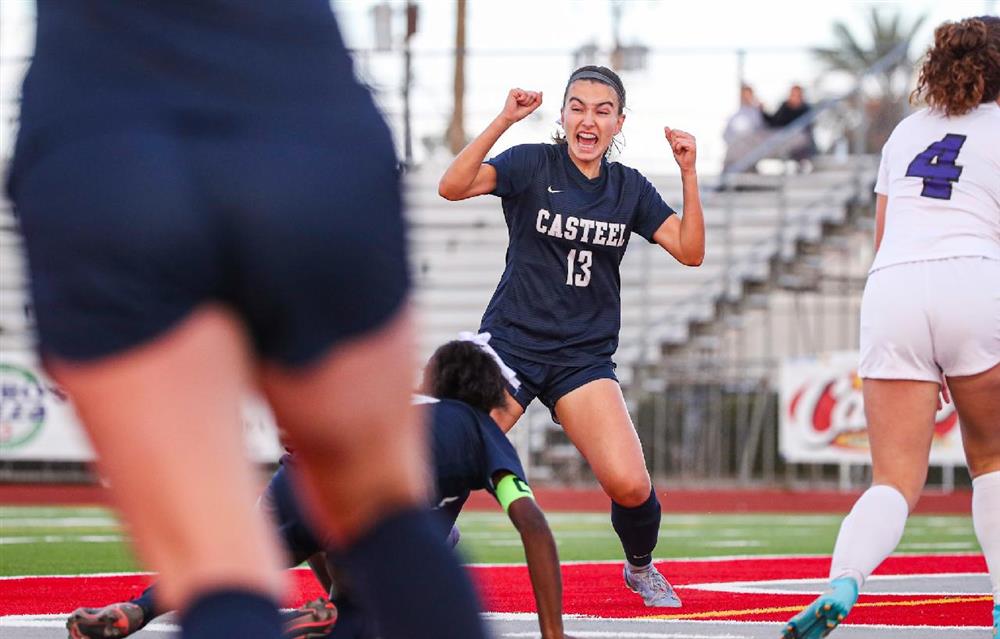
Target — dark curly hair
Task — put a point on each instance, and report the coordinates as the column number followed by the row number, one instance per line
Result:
column 962, row 68
column 461, row 370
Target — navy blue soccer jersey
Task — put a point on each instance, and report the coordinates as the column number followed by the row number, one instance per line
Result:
column 559, row 298
column 468, row 449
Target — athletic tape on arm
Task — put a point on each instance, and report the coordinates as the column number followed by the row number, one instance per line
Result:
column 510, row 489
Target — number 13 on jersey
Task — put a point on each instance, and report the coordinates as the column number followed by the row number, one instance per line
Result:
column 585, row 259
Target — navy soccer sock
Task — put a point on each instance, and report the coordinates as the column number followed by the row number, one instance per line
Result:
column 411, row 582
column 231, row 613
column 638, row 529
column 147, row 601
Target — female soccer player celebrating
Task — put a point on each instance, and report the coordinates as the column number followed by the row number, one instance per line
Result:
column 931, row 308
column 555, row 316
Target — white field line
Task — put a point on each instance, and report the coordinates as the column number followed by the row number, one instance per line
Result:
column 719, row 558
column 597, row 634
column 669, row 519
column 753, row 587
column 53, row 511
column 578, row 562
column 59, row 621
column 61, row 522
column 956, row 545
column 520, row 616
column 578, row 534
column 62, row 539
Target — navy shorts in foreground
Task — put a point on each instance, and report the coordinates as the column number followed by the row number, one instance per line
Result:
column 550, row 382
column 130, row 228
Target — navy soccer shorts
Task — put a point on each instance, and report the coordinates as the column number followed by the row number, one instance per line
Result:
column 129, row 228
column 550, row 382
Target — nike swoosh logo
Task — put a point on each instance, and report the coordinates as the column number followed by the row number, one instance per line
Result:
column 551, row 190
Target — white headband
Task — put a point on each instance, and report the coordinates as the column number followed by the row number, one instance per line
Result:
column 482, row 340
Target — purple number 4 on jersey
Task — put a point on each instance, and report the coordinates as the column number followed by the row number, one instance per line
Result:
column 937, row 166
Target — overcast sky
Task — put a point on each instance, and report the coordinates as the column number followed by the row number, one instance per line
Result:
column 690, row 81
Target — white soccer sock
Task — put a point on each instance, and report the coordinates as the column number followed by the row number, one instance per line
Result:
column 986, row 521
column 869, row 533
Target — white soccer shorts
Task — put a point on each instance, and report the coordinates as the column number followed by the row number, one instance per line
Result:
column 920, row 319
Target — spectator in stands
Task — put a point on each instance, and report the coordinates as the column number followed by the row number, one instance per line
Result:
column 556, row 314
column 744, row 130
column 930, row 315
column 208, row 197
column 802, row 147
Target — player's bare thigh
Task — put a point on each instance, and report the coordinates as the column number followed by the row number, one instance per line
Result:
column 508, row 414
column 596, row 420
column 977, row 399
column 164, row 418
column 352, row 422
column 900, row 416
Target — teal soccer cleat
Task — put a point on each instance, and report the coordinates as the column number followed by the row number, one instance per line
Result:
column 823, row 615
column 996, row 620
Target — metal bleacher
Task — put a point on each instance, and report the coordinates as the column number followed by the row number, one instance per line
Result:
column 458, row 255
column 756, row 225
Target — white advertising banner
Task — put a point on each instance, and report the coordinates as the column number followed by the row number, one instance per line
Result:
column 822, row 417
column 37, row 421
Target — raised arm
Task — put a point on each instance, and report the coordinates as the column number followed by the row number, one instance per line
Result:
column 467, row 176
column 539, row 550
column 684, row 238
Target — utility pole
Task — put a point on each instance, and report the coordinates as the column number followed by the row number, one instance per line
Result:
column 455, row 134
column 411, row 28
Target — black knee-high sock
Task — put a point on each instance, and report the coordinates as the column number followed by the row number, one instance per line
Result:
column 402, row 572
column 638, row 529
column 231, row 613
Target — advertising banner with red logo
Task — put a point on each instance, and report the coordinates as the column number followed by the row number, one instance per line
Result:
column 37, row 421
column 823, row 415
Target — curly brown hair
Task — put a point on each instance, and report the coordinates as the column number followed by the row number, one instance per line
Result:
column 460, row 370
column 962, row 68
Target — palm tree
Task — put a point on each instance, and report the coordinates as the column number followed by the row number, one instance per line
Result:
column 886, row 105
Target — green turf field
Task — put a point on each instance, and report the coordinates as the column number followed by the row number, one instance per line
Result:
column 50, row 540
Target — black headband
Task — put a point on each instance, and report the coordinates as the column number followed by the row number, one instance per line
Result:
column 590, row 74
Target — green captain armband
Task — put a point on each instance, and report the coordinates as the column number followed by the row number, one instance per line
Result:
column 510, row 489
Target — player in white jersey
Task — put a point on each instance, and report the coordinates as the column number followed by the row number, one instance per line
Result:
column 930, row 317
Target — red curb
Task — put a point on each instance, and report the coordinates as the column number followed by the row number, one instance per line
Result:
column 729, row 501
column 576, row 499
